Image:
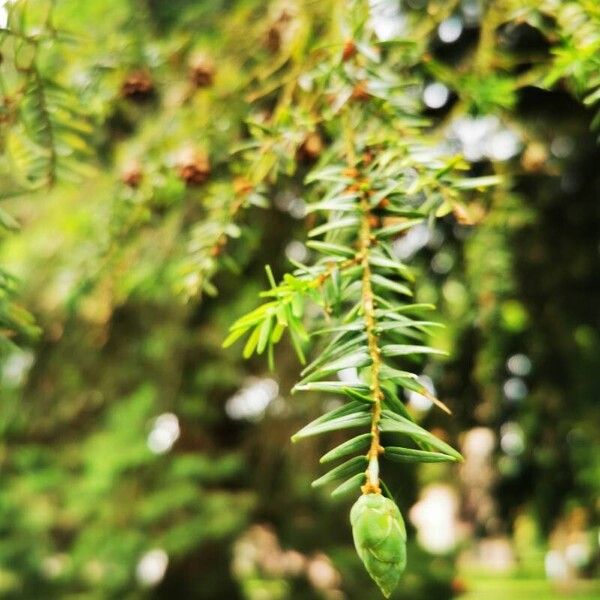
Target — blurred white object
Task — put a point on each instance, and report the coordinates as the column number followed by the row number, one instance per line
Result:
column 321, row 573
column 479, row 443
column 418, row 401
column 416, row 237
column 519, row 364
column 556, row 566
column 512, row 438
column 515, row 389
column 253, row 399
column 435, row 516
column 152, row 567
column 55, row 565
column 165, row 432
column 3, row 13
column 478, row 475
column 450, row 29
column 16, row 367
column 297, row 251
column 578, row 555
column 484, row 137
column 435, row 95
column 387, row 19
column 349, row 375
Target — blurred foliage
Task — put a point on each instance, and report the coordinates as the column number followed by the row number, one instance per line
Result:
column 153, row 159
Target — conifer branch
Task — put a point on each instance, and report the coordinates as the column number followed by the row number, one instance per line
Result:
column 368, row 309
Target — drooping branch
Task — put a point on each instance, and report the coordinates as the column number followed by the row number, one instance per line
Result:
column 368, row 309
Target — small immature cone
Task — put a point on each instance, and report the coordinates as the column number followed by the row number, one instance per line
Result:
column 380, row 539
column 349, row 50
column 360, row 91
column 138, row 86
column 202, row 71
column 132, row 174
column 193, row 166
column 311, row 147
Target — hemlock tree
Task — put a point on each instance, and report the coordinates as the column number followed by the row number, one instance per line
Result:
column 189, row 120
column 381, row 175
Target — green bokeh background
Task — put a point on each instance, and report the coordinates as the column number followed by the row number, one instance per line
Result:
column 83, row 498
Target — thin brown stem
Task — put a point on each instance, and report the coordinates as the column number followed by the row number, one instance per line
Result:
column 368, row 309
column 319, row 280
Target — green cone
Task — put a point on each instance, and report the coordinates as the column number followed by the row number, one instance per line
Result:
column 380, row 539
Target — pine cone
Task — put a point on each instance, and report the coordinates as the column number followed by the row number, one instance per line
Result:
column 360, row 91
column 311, row 147
column 380, row 539
column 349, row 50
column 534, row 158
column 202, row 71
column 132, row 174
column 278, row 31
column 194, row 167
column 138, row 86
column 272, row 39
